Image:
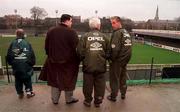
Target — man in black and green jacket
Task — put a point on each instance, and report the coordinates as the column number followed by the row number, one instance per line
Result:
column 120, row 56
column 21, row 57
column 93, row 49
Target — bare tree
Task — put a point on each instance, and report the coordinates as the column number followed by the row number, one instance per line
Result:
column 37, row 14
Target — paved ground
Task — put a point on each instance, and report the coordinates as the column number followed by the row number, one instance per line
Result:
column 155, row 98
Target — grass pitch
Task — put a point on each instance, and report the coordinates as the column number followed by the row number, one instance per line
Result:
column 142, row 54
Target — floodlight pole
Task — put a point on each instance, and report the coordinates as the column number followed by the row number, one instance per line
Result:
column 15, row 11
column 56, row 11
column 96, row 12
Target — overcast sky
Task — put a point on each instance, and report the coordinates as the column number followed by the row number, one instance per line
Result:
column 133, row 9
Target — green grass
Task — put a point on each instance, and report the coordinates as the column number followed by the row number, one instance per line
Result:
column 142, row 54
column 38, row 46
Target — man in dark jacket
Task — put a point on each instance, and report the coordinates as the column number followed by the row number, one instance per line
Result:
column 120, row 56
column 62, row 64
column 21, row 57
column 93, row 50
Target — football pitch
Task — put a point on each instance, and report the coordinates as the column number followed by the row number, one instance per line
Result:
column 142, row 54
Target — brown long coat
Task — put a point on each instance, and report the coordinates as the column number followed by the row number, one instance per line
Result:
column 62, row 64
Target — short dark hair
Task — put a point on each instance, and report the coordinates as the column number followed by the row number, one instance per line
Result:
column 117, row 18
column 65, row 17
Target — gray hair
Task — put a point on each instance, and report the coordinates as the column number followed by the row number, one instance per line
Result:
column 94, row 23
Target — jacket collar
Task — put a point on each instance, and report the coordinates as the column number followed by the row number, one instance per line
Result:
column 94, row 29
column 61, row 24
column 117, row 29
column 19, row 38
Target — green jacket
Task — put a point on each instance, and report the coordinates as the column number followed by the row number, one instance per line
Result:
column 93, row 50
column 121, row 46
column 21, row 56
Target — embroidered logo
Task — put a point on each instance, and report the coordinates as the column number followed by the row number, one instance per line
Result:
column 96, row 34
column 96, row 46
column 113, row 45
column 126, row 35
column 95, row 38
column 127, row 42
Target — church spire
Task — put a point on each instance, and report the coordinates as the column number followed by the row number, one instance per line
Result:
column 157, row 14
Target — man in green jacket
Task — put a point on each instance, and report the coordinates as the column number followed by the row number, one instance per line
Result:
column 120, row 56
column 93, row 50
column 21, row 57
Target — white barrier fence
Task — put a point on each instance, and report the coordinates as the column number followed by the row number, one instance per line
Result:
column 163, row 46
column 11, row 35
column 8, row 35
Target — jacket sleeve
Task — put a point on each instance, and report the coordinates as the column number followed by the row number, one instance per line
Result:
column 117, row 45
column 31, row 58
column 10, row 56
column 108, row 48
column 81, row 48
column 74, row 40
column 120, row 44
column 47, row 43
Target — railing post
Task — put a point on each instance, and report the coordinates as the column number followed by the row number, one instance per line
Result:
column 7, row 71
column 152, row 61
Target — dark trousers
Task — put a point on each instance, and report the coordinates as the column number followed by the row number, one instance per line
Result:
column 20, row 80
column 96, row 81
column 117, row 78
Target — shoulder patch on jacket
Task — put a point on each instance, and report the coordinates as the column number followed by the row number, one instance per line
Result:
column 127, row 37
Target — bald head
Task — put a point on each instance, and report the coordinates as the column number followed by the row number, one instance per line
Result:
column 20, row 33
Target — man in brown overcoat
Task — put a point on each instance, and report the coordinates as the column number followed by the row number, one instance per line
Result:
column 62, row 64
